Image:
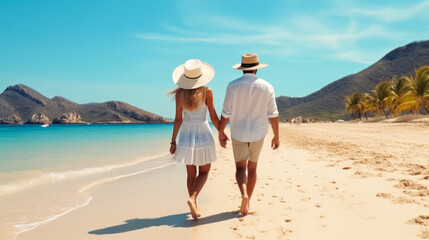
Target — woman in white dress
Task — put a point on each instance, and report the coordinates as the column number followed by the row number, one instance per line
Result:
column 196, row 146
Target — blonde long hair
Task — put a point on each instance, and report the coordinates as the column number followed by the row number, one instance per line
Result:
column 190, row 99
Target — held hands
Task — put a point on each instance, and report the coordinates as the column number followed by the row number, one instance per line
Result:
column 223, row 139
column 275, row 143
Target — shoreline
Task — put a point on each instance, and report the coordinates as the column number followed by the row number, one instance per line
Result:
column 84, row 123
column 29, row 227
column 64, row 192
column 408, row 118
column 327, row 181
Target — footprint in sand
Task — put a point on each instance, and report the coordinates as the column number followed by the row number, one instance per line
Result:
column 384, row 195
column 404, row 200
column 282, row 232
column 423, row 221
column 420, row 220
column 302, row 210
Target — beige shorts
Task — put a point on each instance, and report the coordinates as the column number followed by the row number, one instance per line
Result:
column 246, row 150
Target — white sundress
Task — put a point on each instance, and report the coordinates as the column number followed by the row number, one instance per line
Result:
column 196, row 144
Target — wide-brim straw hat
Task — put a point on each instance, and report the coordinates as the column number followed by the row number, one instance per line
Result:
column 249, row 61
column 193, row 74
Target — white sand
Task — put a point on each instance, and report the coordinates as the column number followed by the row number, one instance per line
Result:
column 327, row 181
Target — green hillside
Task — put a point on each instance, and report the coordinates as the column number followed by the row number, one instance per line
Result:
column 328, row 102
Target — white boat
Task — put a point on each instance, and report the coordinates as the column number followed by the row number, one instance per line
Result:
column 45, row 125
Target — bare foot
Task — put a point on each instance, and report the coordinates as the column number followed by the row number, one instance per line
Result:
column 244, row 205
column 198, row 212
column 193, row 208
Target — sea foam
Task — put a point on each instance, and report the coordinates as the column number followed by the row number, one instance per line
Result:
column 21, row 228
column 58, row 176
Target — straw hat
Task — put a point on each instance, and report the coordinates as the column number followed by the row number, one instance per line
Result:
column 193, row 74
column 249, row 61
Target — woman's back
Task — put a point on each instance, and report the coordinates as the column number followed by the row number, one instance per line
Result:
column 197, row 115
column 196, row 146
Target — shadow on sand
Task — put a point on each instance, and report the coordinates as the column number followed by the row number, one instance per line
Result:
column 177, row 220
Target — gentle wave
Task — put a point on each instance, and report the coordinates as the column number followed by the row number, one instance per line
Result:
column 27, row 227
column 57, row 176
column 21, row 228
column 105, row 180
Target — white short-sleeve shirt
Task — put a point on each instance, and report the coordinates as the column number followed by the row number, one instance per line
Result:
column 249, row 102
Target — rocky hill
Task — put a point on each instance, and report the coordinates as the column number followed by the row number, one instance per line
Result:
column 328, row 102
column 22, row 104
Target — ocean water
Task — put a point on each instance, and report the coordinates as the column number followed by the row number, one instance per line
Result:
column 48, row 172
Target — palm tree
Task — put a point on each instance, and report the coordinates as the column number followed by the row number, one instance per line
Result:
column 381, row 95
column 366, row 104
column 399, row 95
column 353, row 104
column 419, row 90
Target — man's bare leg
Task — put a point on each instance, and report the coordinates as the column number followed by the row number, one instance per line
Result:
column 240, row 176
column 203, row 172
column 251, row 178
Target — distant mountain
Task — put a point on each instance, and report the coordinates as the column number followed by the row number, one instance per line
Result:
column 328, row 102
column 22, row 104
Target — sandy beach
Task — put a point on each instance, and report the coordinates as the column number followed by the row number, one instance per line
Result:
column 326, row 181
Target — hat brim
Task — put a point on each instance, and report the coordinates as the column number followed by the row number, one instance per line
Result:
column 259, row 66
column 182, row 81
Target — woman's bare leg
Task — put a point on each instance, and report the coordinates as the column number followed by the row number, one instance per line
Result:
column 203, row 172
column 191, row 170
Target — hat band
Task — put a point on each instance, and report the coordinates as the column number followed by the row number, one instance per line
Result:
column 193, row 77
column 247, row 65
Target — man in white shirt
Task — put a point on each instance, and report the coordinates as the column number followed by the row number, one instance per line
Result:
column 249, row 103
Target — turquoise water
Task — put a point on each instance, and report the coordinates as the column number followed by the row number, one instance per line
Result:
column 46, row 172
column 29, row 147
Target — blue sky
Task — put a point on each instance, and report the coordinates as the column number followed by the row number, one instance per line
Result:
column 95, row 51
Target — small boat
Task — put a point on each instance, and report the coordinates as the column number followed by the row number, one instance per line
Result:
column 45, row 125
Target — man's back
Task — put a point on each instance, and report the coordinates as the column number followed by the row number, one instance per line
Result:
column 249, row 102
